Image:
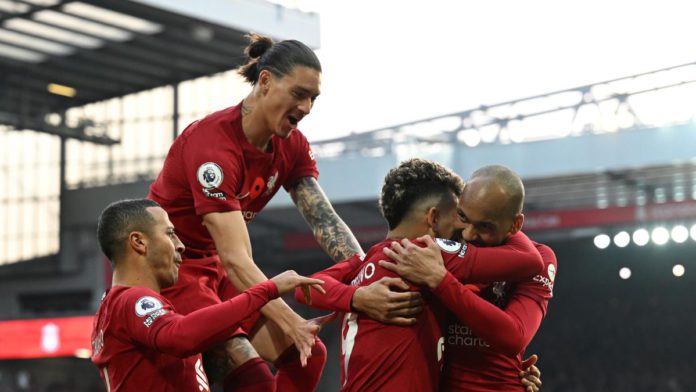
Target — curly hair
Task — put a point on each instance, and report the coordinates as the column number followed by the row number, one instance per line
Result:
column 412, row 181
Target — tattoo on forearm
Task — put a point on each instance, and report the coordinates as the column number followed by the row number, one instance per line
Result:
column 222, row 359
column 331, row 232
column 217, row 363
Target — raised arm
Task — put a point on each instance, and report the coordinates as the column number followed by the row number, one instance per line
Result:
column 229, row 232
column 332, row 234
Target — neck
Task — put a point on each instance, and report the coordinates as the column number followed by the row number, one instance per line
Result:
column 409, row 231
column 253, row 123
column 133, row 277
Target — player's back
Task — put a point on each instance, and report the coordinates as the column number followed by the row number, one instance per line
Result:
column 380, row 357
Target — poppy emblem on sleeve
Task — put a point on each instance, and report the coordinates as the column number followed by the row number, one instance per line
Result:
column 256, row 188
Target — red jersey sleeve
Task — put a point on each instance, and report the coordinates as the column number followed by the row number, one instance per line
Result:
column 508, row 331
column 304, row 165
column 514, row 261
column 339, row 294
column 213, row 171
column 540, row 287
column 152, row 322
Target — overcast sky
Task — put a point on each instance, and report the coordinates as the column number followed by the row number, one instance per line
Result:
column 387, row 62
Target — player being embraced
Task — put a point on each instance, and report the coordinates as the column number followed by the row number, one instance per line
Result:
column 139, row 341
column 487, row 334
column 418, row 198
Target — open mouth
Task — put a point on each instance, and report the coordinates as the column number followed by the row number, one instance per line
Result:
column 293, row 120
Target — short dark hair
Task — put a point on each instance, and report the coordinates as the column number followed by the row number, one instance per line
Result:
column 118, row 220
column 508, row 180
column 414, row 180
column 279, row 58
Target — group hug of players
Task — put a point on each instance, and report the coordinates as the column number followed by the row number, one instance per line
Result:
column 448, row 301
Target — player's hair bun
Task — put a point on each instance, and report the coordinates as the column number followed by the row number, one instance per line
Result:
column 258, row 45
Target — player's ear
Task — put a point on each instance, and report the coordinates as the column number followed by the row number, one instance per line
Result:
column 431, row 218
column 265, row 81
column 517, row 223
column 137, row 242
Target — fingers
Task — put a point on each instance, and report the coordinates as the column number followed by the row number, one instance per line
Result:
column 400, row 321
column 531, row 381
column 530, row 385
column 392, row 255
column 398, row 248
column 306, row 294
column 324, row 320
column 407, row 311
column 308, row 281
column 529, row 361
column 535, row 371
column 429, row 242
column 388, row 265
column 318, row 288
column 395, row 283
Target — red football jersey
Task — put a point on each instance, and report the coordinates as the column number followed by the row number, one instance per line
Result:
column 139, row 343
column 211, row 167
column 380, row 357
column 490, row 360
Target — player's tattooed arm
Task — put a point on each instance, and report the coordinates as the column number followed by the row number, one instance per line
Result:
column 331, row 232
column 222, row 359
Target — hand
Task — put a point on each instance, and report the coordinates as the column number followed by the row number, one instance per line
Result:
column 289, row 280
column 530, row 374
column 303, row 334
column 388, row 301
column 422, row 266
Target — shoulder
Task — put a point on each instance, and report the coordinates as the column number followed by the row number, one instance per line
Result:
column 213, row 128
column 451, row 249
column 547, row 254
column 296, row 142
column 140, row 300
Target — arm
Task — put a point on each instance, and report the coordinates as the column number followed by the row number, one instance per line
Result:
column 339, row 294
column 508, row 331
column 332, row 234
column 387, row 300
column 518, row 259
column 229, row 232
column 183, row 336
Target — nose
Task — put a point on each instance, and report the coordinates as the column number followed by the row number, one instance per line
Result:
column 180, row 248
column 469, row 233
column 305, row 106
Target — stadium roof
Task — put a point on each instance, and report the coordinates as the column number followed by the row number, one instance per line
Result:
column 57, row 54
